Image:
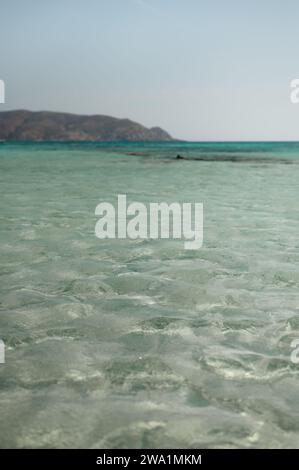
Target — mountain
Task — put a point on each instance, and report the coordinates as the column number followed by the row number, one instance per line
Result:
column 39, row 126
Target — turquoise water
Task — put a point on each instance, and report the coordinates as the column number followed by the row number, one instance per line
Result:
column 122, row 343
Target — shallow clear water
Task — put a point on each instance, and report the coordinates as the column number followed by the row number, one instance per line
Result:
column 122, row 343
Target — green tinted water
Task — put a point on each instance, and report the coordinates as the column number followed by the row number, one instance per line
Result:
column 122, row 343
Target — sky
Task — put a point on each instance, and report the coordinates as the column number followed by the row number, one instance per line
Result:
column 201, row 69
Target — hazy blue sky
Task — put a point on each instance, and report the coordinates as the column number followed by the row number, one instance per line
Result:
column 203, row 70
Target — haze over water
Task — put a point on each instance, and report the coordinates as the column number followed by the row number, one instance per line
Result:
column 122, row 343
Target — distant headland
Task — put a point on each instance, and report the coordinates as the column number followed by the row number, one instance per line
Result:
column 39, row 126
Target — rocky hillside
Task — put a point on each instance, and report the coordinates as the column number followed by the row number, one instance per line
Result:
column 49, row 126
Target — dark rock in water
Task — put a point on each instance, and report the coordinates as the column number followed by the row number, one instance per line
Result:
column 49, row 126
column 237, row 159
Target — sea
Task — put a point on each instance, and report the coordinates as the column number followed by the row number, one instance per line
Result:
column 122, row 343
